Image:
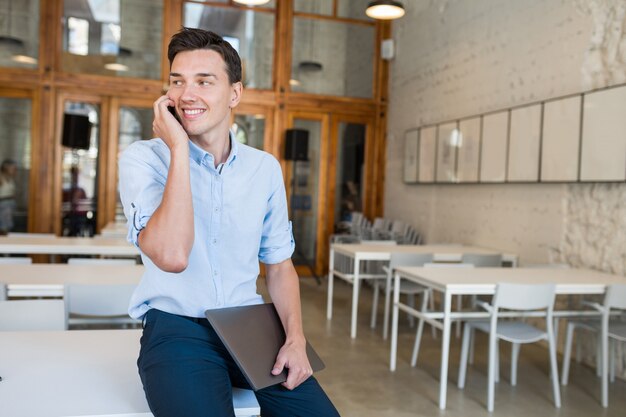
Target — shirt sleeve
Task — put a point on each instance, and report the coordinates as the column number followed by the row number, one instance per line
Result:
column 142, row 176
column 277, row 243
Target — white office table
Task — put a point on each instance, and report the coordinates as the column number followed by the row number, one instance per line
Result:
column 115, row 229
column 483, row 281
column 79, row 374
column 53, row 245
column 362, row 252
column 48, row 280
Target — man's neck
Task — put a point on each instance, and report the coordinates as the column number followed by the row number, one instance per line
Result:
column 218, row 146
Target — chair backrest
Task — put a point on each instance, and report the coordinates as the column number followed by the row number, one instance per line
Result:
column 379, row 242
column 21, row 260
column 524, row 296
column 409, row 259
column 98, row 300
column 482, row 260
column 22, row 315
column 95, row 261
column 447, row 265
column 615, row 296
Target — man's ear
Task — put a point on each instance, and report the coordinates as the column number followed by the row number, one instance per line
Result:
column 235, row 96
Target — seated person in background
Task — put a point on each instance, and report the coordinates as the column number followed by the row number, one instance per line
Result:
column 8, row 170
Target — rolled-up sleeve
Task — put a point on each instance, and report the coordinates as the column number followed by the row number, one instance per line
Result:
column 142, row 176
column 277, row 243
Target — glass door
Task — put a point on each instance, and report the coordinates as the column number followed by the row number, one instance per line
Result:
column 306, row 182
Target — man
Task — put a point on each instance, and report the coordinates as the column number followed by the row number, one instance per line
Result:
column 204, row 210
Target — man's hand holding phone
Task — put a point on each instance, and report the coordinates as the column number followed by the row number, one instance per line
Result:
column 166, row 124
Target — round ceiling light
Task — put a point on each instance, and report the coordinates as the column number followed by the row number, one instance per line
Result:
column 385, row 9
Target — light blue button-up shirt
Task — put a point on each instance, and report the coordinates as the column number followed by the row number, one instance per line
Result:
column 240, row 218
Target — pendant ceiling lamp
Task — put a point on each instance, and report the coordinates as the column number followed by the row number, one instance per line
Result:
column 385, row 9
column 251, row 2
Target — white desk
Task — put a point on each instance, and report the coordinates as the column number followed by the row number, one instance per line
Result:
column 483, row 281
column 79, row 373
column 361, row 252
column 53, row 245
column 115, row 229
column 48, row 280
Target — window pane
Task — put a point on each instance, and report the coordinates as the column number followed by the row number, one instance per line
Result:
column 19, row 33
column 135, row 124
column 80, row 172
column 324, row 7
column 305, row 184
column 249, row 129
column 15, row 163
column 349, row 176
column 353, row 8
column 113, row 37
column 332, row 58
column 252, row 31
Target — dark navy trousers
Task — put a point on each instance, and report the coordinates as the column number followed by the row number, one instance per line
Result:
column 187, row 372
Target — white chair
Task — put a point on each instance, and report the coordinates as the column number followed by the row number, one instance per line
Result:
column 480, row 260
column 24, row 315
column 98, row 303
column 609, row 330
column 16, row 260
column 96, row 261
column 428, row 298
column 521, row 298
column 410, row 289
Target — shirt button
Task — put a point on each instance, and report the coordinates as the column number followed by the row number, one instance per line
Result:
column 217, row 209
column 214, row 240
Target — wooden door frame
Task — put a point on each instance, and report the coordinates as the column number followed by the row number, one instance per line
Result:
column 320, row 233
column 268, row 113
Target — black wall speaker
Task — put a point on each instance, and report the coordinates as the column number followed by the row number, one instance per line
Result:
column 76, row 131
column 296, row 145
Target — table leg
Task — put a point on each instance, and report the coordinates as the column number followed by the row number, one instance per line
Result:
column 331, row 278
column 394, row 323
column 445, row 349
column 355, row 297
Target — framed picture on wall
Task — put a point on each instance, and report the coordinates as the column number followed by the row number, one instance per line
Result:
column 560, row 144
column 427, row 154
column 524, row 144
column 411, row 156
column 494, row 147
column 468, row 157
column 447, row 143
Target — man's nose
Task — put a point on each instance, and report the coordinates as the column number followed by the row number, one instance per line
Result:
column 189, row 93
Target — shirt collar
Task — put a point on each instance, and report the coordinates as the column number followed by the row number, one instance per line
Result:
column 198, row 154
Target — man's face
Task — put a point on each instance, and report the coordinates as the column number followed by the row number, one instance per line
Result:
column 201, row 91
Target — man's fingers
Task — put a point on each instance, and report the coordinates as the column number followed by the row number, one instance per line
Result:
column 278, row 367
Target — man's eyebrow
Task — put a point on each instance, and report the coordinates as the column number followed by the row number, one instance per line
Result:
column 200, row 74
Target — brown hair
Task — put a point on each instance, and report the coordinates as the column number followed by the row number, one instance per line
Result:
column 190, row 39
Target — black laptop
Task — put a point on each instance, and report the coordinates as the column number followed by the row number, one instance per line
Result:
column 253, row 335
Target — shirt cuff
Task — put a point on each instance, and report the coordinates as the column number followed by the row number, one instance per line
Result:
column 138, row 222
column 275, row 254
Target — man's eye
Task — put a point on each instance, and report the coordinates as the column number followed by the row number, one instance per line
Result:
column 177, row 82
column 205, row 83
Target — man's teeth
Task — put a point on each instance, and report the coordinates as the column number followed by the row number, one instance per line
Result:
column 193, row 112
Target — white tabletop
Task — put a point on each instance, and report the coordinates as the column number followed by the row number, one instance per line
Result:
column 484, row 280
column 115, row 229
column 78, row 373
column 54, row 245
column 48, row 280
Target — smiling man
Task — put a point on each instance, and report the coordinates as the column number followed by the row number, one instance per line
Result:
column 204, row 210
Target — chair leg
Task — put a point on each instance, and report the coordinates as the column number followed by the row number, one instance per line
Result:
column 598, row 356
column 464, row 354
column 514, row 357
column 492, row 371
column 431, row 301
column 410, row 300
column 420, row 328
column 471, row 346
column 612, row 349
column 554, row 372
column 604, row 339
column 374, row 304
column 567, row 353
column 497, row 364
column 459, row 306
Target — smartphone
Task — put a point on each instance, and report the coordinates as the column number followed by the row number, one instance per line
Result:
column 173, row 111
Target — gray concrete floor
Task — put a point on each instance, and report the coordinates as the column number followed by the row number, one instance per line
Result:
column 358, row 380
